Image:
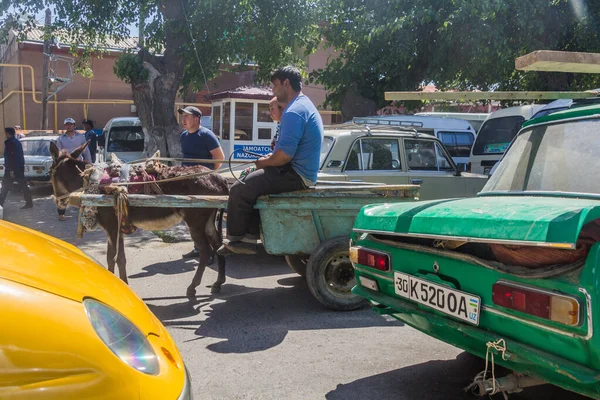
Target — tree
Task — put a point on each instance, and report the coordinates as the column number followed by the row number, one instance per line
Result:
column 184, row 44
column 398, row 45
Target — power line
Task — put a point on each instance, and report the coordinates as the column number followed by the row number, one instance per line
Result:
column 194, row 45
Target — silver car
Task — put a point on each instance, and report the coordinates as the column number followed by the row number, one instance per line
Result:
column 394, row 155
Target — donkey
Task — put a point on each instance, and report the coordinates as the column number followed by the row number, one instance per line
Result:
column 65, row 176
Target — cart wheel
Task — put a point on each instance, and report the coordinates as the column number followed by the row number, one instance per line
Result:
column 297, row 263
column 330, row 275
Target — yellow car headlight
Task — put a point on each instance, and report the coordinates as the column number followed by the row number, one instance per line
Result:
column 122, row 337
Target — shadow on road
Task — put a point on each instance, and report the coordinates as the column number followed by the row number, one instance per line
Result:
column 436, row 380
column 166, row 268
column 240, row 266
column 288, row 309
column 237, row 267
column 169, row 314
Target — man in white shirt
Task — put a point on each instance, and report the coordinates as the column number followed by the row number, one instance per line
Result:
column 70, row 140
column 67, row 142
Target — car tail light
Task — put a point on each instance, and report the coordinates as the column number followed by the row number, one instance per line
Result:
column 543, row 304
column 370, row 258
column 469, row 166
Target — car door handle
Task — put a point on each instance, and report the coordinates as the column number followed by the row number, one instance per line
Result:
column 355, row 180
column 416, row 181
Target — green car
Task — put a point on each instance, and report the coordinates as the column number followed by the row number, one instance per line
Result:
column 512, row 275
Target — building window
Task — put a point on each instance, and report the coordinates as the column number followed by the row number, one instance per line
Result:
column 216, row 120
column 263, row 113
column 264, row 133
column 244, row 121
column 226, row 120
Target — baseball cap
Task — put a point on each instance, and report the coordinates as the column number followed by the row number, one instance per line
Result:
column 69, row 121
column 88, row 121
column 190, row 110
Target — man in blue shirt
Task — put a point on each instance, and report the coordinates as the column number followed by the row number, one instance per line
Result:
column 292, row 166
column 200, row 143
column 14, row 168
column 90, row 135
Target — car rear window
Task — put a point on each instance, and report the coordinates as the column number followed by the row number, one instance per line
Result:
column 126, row 138
column 496, row 134
column 36, row 147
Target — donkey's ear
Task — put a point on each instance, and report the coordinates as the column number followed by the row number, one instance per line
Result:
column 156, row 155
column 77, row 152
column 54, row 151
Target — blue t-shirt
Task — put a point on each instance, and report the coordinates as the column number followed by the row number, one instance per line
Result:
column 198, row 144
column 300, row 137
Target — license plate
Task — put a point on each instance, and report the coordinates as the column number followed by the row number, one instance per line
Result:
column 461, row 305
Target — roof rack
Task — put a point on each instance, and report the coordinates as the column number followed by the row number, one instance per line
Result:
column 383, row 121
column 385, row 128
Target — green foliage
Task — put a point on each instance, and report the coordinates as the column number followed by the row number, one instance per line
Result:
column 217, row 33
column 400, row 45
column 128, row 67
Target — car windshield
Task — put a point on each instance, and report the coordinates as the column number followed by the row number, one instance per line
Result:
column 496, row 134
column 550, row 158
column 325, row 147
column 36, row 147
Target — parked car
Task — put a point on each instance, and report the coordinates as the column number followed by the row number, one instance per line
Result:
column 456, row 134
column 124, row 137
column 71, row 329
column 36, row 150
column 511, row 273
column 494, row 136
column 394, row 155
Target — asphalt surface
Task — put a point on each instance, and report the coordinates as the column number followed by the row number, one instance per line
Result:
column 264, row 336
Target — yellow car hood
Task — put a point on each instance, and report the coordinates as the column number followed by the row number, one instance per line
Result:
column 43, row 262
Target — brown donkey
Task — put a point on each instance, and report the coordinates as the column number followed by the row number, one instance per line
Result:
column 66, row 178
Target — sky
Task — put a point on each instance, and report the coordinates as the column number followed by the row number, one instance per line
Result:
column 40, row 17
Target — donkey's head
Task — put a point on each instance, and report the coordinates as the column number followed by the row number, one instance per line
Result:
column 65, row 173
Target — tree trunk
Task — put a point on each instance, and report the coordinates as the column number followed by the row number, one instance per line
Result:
column 155, row 98
column 155, row 104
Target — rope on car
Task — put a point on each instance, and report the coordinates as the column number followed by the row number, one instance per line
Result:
column 499, row 346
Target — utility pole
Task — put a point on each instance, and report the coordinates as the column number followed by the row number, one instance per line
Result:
column 46, row 60
column 142, row 26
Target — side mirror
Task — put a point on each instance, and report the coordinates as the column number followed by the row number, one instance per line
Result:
column 460, row 168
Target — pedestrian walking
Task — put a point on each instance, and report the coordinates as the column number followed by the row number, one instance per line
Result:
column 14, row 168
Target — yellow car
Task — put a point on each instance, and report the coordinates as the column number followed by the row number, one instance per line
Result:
column 69, row 329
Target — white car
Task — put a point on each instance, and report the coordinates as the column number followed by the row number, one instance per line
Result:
column 38, row 160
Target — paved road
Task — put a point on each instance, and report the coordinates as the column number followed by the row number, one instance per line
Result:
column 265, row 337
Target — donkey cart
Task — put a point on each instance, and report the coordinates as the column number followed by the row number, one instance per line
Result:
column 311, row 228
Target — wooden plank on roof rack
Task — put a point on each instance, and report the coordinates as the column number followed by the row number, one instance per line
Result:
column 487, row 95
column 559, row 61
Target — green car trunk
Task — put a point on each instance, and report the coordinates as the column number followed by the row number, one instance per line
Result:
column 565, row 355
